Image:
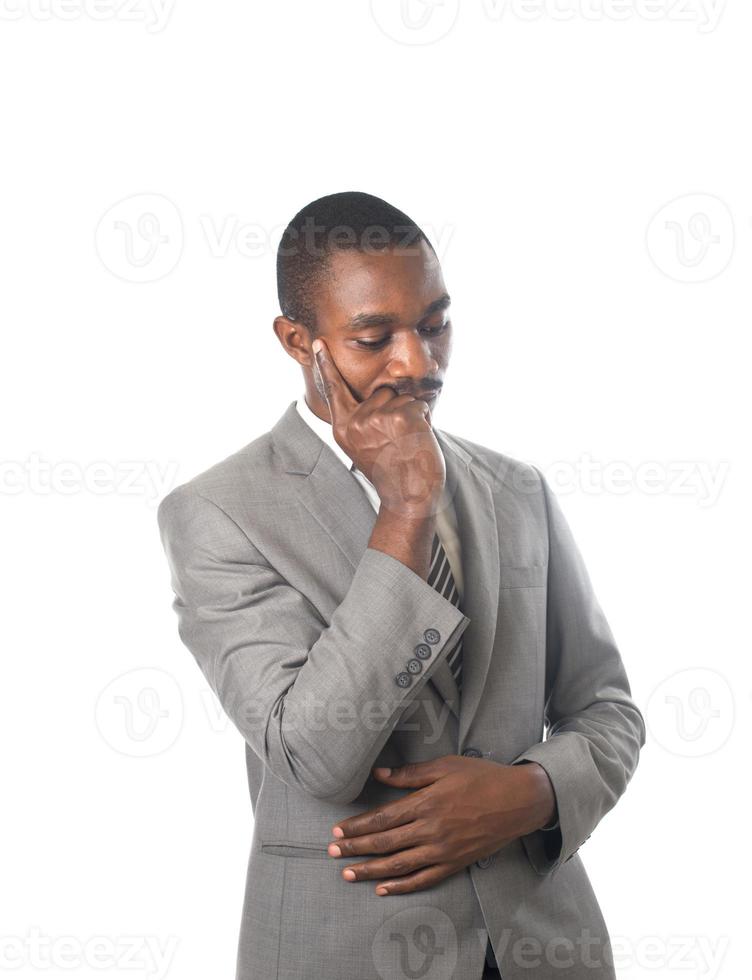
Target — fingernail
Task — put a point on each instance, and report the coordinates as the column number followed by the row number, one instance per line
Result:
column 338, row 832
column 316, row 346
column 382, row 891
column 350, row 875
column 383, row 771
column 335, row 851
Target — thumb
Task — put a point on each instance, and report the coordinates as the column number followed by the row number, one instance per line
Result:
column 411, row 774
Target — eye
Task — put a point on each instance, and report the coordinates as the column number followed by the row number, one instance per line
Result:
column 372, row 345
column 377, row 344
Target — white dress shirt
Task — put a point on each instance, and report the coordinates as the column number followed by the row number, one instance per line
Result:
column 446, row 518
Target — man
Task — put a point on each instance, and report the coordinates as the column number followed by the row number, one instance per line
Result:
column 362, row 591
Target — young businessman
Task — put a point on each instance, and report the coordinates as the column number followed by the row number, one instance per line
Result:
column 366, row 592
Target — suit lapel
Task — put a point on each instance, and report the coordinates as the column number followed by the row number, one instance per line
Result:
column 336, row 501
column 479, row 537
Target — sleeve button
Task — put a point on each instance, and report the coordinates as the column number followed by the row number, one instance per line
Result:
column 431, row 635
column 423, row 651
column 403, row 679
column 414, row 666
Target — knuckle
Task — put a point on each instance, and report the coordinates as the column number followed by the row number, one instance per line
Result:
column 380, row 820
column 386, row 842
column 430, row 829
column 423, row 806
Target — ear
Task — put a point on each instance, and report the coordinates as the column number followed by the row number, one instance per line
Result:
column 294, row 338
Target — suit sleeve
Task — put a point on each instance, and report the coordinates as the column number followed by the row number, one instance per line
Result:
column 594, row 730
column 315, row 700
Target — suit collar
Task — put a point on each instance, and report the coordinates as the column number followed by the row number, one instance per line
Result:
column 322, row 428
column 339, row 505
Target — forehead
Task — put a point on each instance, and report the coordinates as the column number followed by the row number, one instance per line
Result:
column 404, row 281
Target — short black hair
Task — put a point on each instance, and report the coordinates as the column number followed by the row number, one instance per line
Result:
column 348, row 220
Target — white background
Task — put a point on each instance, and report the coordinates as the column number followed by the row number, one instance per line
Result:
column 586, row 181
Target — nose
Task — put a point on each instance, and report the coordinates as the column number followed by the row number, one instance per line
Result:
column 412, row 359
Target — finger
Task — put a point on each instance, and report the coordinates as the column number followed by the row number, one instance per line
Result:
column 414, row 773
column 391, row 867
column 400, row 400
column 396, row 839
column 338, row 396
column 378, row 400
column 417, row 407
column 383, row 817
column 424, row 878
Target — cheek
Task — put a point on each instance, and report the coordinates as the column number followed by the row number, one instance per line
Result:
column 443, row 344
column 361, row 369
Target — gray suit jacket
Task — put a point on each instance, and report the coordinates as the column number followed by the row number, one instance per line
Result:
column 304, row 633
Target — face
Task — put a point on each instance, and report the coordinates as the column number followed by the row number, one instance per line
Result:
column 384, row 315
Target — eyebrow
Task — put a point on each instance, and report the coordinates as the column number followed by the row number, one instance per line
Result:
column 364, row 320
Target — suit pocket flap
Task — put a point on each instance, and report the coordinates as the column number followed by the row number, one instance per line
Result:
column 287, row 848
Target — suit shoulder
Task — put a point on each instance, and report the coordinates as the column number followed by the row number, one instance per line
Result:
column 503, row 472
column 247, row 466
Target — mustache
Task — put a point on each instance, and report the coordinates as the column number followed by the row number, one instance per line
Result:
column 397, row 390
column 417, row 394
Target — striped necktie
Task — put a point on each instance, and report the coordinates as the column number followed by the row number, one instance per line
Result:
column 441, row 578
